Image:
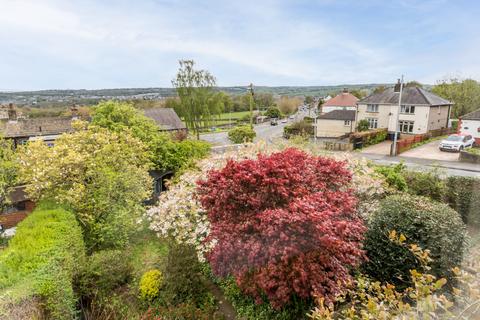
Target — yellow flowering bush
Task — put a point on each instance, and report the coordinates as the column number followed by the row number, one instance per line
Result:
column 150, row 284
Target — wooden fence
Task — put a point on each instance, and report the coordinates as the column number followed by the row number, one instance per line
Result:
column 406, row 142
column 337, row 146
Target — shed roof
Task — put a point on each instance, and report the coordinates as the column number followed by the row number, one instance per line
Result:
column 410, row 95
column 165, row 118
column 339, row 115
column 475, row 115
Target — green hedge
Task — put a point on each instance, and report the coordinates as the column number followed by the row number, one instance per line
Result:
column 463, row 194
column 41, row 262
column 241, row 134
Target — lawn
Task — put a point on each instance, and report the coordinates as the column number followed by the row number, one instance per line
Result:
column 234, row 115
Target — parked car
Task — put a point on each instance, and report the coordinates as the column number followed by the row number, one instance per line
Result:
column 273, row 122
column 456, row 142
column 284, row 120
column 292, row 117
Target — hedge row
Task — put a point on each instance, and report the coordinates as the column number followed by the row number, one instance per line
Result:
column 40, row 264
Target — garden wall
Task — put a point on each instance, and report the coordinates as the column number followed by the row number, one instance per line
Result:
column 406, row 142
column 367, row 138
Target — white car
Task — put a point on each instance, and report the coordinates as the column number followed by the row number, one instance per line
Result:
column 284, row 120
column 456, row 142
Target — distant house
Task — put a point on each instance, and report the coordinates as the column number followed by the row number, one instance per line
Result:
column 342, row 101
column 421, row 111
column 470, row 124
column 166, row 119
column 335, row 123
column 21, row 130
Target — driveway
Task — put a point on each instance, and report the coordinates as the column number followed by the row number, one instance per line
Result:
column 382, row 148
column 430, row 151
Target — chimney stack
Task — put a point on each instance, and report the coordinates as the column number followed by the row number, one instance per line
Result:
column 12, row 112
column 397, row 86
column 345, row 90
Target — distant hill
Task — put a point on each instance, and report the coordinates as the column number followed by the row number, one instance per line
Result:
column 58, row 98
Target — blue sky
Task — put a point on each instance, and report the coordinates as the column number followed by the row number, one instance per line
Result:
column 49, row 44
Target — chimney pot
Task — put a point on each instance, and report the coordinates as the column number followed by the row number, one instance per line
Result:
column 397, row 86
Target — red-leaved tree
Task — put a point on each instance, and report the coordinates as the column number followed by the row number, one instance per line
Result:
column 284, row 225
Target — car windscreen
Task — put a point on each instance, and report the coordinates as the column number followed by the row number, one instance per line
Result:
column 454, row 138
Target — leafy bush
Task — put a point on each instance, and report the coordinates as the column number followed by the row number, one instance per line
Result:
column 104, row 271
column 463, row 194
column 363, row 125
column 41, row 261
column 246, row 308
column 284, row 226
column 150, row 284
column 428, row 184
column 184, row 311
column 302, row 128
column 431, row 225
column 183, row 279
column 273, row 112
column 241, row 134
column 393, row 176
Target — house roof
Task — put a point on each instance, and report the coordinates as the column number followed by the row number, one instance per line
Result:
column 410, row 95
column 475, row 115
column 339, row 115
column 36, row 127
column 344, row 99
column 166, row 118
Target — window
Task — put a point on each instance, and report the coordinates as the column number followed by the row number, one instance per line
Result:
column 407, row 109
column 406, row 126
column 372, row 123
column 347, row 123
column 372, row 107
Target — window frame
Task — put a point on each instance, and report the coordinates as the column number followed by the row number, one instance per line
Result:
column 407, row 109
column 347, row 123
column 374, row 107
column 372, row 123
column 402, row 124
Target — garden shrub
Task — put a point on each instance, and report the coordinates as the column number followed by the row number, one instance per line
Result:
column 284, row 225
column 104, row 271
column 182, row 277
column 302, row 128
column 393, row 176
column 150, row 284
column 463, row 194
column 184, row 311
column 433, row 226
column 428, row 184
column 241, row 134
column 363, row 125
column 41, row 261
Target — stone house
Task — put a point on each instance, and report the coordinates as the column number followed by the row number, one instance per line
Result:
column 336, row 123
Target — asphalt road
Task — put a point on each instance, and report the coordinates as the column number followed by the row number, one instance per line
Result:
column 264, row 131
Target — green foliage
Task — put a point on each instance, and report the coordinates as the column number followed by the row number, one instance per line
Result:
column 104, row 271
column 183, row 279
column 41, row 261
column 375, row 138
column 101, row 175
column 363, row 125
column 428, row 184
column 184, row 311
column 246, row 307
column 273, row 112
column 8, row 170
column 302, row 128
column 393, row 175
column 463, row 194
column 433, row 226
column 197, row 101
column 165, row 154
column 150, row 285
column 241, row 134
column 465, row 93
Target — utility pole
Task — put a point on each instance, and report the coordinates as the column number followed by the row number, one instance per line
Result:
column 397, row 119
column 251, row 105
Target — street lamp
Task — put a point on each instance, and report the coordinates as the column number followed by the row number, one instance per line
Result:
column 397, row 119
